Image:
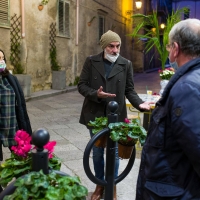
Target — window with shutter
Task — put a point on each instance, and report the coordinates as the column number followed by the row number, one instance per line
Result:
column 4, row 13
column 101, row 26
column 63, row 18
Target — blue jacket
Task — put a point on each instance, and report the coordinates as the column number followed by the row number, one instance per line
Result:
column 170, row 162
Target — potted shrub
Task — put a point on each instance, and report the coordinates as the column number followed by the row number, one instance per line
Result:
column 58, row 76
column 18, row 70
column 148, row 29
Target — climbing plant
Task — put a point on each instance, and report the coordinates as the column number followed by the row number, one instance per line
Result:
column 15, row 41
column 53, row 53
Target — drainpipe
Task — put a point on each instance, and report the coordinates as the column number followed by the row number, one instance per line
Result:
column 23, row 19
column 23, row 41
column 77, row 21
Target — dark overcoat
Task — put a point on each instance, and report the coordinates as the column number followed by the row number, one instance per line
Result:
column 170, row 162
column 119, row 82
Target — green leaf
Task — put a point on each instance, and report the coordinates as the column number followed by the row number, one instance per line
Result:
column 145, row 23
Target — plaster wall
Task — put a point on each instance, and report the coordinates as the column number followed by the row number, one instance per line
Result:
column 71, row 56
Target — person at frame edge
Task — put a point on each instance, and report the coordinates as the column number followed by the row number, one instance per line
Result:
column 170, row 162
column 13, row 114
column 106, row 77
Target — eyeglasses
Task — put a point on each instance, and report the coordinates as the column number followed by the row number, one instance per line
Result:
column 168, row 46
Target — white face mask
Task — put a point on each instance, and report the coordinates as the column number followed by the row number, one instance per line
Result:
column 110, row 57
column 2, row 65
column 174, row 65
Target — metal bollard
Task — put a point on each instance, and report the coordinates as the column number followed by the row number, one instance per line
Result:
column 110, row 180
column 110, row 153
column 40, row 137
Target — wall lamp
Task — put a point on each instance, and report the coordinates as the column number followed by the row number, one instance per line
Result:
column 138, row 4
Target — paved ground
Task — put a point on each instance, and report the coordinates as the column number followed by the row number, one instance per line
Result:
column 59, row 113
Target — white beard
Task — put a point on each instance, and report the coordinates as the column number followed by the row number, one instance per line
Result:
column 110, row 57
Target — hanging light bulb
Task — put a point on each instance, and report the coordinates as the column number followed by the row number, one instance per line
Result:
column 162, row 26
column 138, row 4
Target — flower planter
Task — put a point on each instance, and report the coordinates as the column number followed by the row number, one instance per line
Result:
column 125, row 149
column 163, row 84
column 40, row 7
column 58, row 80
column 101, row 142
column 25, row 83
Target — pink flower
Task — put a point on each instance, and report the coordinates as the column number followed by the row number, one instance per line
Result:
column 23, row 146
column 127, row 121
column 129, row 138
column 50, row 147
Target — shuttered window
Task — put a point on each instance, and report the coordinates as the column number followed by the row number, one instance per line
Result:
column 4, row 12
column 63, row 18
column 101, row 26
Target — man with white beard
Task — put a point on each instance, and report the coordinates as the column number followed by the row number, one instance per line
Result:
column 106, row 77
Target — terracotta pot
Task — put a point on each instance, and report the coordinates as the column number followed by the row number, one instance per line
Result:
column 40, row 7
column 125, row 149
column 101, row 142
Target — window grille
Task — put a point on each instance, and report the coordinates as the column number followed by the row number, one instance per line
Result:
column 63, row 18
column 101, row 26
column 4, row 12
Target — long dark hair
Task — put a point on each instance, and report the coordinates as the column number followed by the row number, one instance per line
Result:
column 3, row 55
column 5, row 72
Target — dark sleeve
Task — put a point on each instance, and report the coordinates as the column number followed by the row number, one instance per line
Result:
column 130, row 92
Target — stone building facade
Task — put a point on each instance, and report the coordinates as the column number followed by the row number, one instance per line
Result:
column 79, row 25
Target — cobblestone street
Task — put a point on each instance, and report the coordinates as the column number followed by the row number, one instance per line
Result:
column 59, row 114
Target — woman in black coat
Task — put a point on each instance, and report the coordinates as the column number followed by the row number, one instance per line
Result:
column 13, row 113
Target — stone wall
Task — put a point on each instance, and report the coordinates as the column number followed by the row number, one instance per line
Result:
column 71, row 56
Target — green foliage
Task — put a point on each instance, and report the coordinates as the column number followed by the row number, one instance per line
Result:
column 15, row 58
column 16, row 166
column 127, row 132
column 75, row 81
column 98, row 124
column 145, row 23
column 53, row 58
column 120, row 131
column 18, row 68
column 52, row 186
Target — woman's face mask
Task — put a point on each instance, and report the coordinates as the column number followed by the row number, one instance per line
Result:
column 2, row 65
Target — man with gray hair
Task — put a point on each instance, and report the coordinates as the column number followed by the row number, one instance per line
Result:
column 106, row 77
column 170, row 162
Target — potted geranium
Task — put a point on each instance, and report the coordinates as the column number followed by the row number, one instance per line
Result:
column 37, row 185
column 20, row 161
column 52, row 186
column 126, row 133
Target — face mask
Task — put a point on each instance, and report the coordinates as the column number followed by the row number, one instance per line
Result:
column 2, row 65
column 111, row 58
column 174, row 65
